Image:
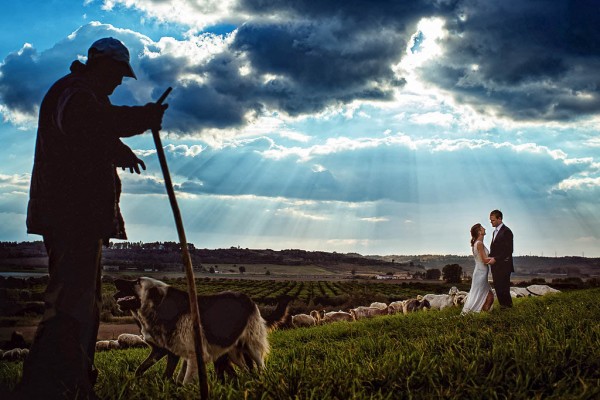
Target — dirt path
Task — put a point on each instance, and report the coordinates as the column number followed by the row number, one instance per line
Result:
column 106, row 331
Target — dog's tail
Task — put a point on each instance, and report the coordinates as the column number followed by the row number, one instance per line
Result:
column 281, row 314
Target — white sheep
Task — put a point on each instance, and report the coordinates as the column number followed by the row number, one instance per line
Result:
column 379, row 305
column 459, row 295
column 396, row 307
column 440, row 301
column 541, row 290
column 315, row 314
column 460, row 298
column 335, row 316
column 15, row 354
column 412, row 305
column 303, row 320
column 102, row 345
column 127, row 340
column 367, row 312
column 519, row 292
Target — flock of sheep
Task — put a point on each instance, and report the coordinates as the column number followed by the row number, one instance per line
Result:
column 454, row 298
column 124, row 341
column 15, row 354
column 429, row 301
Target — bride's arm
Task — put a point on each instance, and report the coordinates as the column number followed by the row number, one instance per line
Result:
column 484, row 258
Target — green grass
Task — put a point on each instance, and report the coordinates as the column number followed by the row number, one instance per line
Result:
column 544, row 348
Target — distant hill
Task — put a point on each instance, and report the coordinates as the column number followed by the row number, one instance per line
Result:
column 167, row 255
column 524, row 265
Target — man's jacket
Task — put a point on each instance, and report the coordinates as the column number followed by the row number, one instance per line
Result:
column 75, row 188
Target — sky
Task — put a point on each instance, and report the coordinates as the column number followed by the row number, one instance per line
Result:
column 371, row 127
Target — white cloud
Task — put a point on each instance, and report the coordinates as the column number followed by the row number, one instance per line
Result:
column 349, row 243
column 195, row 14
column 375, row 219
column 579, row 184
column 593, row 142
column 184, row 150
column 22, row 120
column 16, row 180
column 433, row 118
column 300, row 214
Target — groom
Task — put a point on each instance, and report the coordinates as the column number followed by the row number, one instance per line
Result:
column 501, row 263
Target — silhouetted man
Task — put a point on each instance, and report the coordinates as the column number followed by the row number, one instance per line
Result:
column 74, row 205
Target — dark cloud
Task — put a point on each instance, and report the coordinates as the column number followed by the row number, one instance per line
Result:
column 317, row 55
column 26, row 74
column 16, row 68
column 316, row 64
column 295, row 68
column 535, row 59
column 357, row 14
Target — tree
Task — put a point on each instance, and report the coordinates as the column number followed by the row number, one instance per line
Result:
column 242, row 269
column 433, row 274
column 452, row 273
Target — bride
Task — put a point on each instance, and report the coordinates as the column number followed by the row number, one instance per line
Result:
column 480, row 296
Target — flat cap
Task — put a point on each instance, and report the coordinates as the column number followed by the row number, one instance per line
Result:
column 111, row 48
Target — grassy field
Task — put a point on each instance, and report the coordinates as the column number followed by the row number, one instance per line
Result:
column 544, row 348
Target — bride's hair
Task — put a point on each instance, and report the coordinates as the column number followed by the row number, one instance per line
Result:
column 475, row 233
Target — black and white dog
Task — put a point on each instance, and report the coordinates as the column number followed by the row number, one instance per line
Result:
column 233, row 330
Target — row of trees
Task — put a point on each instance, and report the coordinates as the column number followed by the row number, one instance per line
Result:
column 451, row 273
column 168, row 246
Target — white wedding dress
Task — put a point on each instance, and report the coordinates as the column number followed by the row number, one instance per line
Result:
column 480, row 286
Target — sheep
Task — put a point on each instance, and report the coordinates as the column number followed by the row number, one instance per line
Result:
column 396, row 307
column 413, row 305
column 301, row 320
column 519, row 292
column 102, row 345
column 541, row 290
column 379, row 305
column 335, row 316
column 15, row 354
column 127, row 340
column 459, row 295
column 460, row 298
column 439, row 301
column 367, row 312
column 315, row 314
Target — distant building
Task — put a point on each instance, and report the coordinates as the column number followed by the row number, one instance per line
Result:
column 398, row 275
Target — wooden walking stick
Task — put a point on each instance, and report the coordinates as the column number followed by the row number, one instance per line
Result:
column 187, row 261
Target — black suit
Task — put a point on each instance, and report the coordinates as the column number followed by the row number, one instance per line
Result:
column 501, row 250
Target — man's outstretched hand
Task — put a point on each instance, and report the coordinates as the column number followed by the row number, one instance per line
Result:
column 135, row 165
column 126, row 158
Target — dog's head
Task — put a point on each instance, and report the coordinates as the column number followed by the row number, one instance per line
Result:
column 132, row 293
column 151, row 297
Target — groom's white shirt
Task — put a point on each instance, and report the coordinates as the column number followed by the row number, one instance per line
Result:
column 496, row 230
